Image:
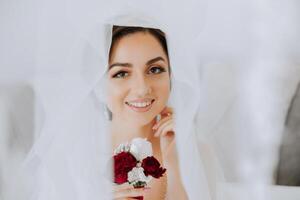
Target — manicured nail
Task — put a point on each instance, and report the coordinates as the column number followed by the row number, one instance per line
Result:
column 158, row 118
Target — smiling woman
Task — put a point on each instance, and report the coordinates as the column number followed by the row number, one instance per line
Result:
column 131, row 78
column 138, row 75
column 138, row 85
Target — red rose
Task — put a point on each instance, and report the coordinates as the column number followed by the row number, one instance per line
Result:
column 123, row 163
column 152, row 167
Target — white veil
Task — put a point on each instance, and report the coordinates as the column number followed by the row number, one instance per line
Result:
column 70, row 157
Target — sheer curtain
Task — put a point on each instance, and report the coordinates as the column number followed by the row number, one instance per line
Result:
column 238, row 60
column 69, row 159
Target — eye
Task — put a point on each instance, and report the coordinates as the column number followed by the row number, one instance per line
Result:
column 156, row 70
column 121, row 74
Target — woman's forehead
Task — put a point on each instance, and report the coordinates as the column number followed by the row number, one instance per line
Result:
column 137, row 47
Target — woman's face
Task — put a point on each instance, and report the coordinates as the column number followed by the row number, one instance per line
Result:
column 138, row 78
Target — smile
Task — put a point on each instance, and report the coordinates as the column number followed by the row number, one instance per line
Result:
column 140, row 106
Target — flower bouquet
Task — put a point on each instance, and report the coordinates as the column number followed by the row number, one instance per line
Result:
column 134, row 163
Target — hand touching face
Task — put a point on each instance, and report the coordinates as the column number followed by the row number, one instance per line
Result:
column 164, row 129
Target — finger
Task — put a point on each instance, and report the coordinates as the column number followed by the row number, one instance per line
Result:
column 160, row 126
column 160, row 130
column 133, row 192
column 123, row 186
column 129, row 193
column 167, row 146
column 167, row 109
column 166, row 114
column 156, row 126
column 168, row 131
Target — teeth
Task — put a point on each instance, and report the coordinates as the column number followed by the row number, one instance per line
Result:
column 140, row 105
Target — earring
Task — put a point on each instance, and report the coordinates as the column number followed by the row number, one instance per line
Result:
column 107, row 113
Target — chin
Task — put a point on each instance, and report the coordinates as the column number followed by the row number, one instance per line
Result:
column 142, row 121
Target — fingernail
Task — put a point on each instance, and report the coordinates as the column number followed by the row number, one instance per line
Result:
column 158, row 117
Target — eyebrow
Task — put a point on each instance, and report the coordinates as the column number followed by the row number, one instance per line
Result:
column 155, row 60
column 159, row 58
column 120, row 64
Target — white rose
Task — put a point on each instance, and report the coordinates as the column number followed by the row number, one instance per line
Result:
column 137, row 174
column 124, row 147
column 140, row 148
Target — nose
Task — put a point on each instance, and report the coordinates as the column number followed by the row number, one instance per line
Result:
column 141, row 86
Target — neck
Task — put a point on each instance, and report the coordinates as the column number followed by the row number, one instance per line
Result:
column 124, row 132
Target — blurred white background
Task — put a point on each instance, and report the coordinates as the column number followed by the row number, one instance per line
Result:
column 249, row 63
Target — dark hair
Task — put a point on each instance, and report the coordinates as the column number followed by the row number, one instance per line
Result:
column 120, row 31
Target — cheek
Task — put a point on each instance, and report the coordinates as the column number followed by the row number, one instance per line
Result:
column 116, row 94
column 162, row 89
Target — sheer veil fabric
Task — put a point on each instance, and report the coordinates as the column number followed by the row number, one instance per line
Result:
column 70, row 157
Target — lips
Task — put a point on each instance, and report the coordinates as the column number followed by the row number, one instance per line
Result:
column 140, row 105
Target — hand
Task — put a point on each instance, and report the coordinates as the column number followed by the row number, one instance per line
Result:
column 164, row 129
column 126, row 192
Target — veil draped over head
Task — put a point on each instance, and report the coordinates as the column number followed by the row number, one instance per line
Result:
column 70, row 157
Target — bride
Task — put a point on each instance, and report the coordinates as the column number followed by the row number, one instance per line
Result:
column 114, row 85
column 139, row 86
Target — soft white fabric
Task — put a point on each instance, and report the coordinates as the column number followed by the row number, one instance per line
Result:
column 239, row 191
column 70, row 158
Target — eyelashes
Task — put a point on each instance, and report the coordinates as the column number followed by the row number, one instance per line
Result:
column 157, row 70
column 120, row 74
column 153, row 70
